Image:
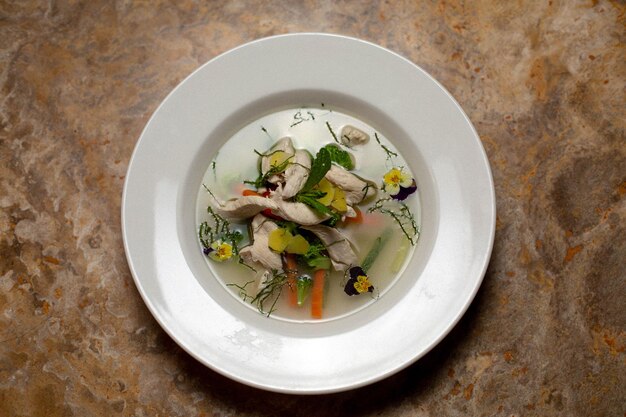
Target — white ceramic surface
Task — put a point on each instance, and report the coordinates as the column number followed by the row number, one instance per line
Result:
column 391, row 94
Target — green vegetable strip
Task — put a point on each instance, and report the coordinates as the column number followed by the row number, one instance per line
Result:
column 375, row 250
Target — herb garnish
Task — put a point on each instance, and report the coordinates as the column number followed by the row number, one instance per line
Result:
column 388, row 151
column 276, row 169
column 270, row 292
column 310, row 199
column 332, row 132
column 319, row 167
column 243, row 293
column 219, row 231
column 316, row 257
column 340, row 156
column 401, row 214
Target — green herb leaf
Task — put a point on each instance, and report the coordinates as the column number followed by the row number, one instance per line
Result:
column 340, row 156
column 319, row 168
column 316, row 256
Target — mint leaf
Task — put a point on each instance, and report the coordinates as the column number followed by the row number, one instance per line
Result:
column 339, row 156
column 319, row 168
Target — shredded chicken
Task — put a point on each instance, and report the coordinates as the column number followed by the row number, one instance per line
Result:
column 296, row 173
column 260, row 251
column 245, row 207
column 285, row 145
column 338, row 246
column 352, row 136
column 355, row 189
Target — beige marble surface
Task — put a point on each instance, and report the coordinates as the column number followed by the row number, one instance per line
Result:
column 544, row 83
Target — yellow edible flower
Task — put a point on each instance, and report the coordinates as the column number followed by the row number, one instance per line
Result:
column 362, row 284
column 222, row 251
column 396, row 178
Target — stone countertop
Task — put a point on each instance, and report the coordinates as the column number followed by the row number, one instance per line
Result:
column 543, row 82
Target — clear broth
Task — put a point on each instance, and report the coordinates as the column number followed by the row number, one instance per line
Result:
column 308, row 128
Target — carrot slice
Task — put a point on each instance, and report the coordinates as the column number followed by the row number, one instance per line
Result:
column 358, row 219
column 317, row 293
column 248, row 192
column 291, row 269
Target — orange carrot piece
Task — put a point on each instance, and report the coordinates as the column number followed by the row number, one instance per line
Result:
column 373, row 219
column 248, row 192
column 358, row 219
column 317, row 293
column 291, row 268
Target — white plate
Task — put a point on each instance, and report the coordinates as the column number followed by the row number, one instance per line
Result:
column 391, row 94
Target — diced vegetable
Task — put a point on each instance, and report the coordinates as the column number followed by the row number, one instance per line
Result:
column 375, row 250
column 339, row 201
column 291, row 269
column 317, row 293
column 316, row 257
column 303, row 286
column 358, row 219
column 321, row 262
column 398, row 260
column 297, row 245
column 247, row 193
column 279, row 239
column 327, row 187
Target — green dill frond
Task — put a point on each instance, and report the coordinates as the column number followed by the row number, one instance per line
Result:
column 270, row 293
column 401, row 214
column 388, row 151
column 332, row 132
column 243, row 292
column 218, row 228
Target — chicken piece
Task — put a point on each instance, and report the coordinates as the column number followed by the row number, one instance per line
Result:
column 244, row 207
column 352, row 136
column 296, row 173
column 338, row 246
column 295, row 211
column 355, row 189
column 282, row 151
column 259, row 251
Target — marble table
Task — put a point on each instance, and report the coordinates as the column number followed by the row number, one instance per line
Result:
column 544, row 82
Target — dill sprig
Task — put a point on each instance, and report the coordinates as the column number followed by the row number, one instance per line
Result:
column 218, row 229
column 277, row 169
column 389, row 152
column 270, row 293
column 243, row 293
column 401, row 214
column 332, row 132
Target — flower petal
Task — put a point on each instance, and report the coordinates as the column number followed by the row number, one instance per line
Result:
column 404, row 192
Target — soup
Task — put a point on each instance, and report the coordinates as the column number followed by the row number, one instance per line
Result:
column 307, row 214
